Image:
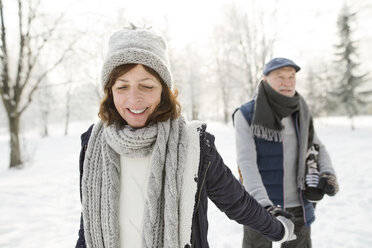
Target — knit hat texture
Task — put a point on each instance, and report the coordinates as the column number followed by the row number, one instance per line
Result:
column 137, row 46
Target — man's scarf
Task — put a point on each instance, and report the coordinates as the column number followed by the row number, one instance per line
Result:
column 270, row 108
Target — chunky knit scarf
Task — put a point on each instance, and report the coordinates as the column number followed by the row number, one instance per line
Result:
column 100, row 185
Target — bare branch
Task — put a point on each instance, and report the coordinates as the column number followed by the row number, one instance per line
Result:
column 47, row 35
column 31, row 62
column 44, row 74
column 21, row 52
column 31, row 17
column 4, row 85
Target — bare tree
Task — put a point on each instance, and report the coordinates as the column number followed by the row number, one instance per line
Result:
column 255, row 44
column 187, row 75
column 44, row 99
column 68, row 108
column 241, row 46
column 319, row 82
column 186, row 71
column 17, row 89
column 226, row 83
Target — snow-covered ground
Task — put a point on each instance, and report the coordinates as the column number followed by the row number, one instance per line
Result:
column 40, row 206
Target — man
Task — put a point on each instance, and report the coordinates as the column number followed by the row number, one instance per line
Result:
column 283, row 164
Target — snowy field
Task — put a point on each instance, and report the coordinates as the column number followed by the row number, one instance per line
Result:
column 40, row 206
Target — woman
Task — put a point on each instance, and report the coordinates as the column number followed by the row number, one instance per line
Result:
column 146, row 173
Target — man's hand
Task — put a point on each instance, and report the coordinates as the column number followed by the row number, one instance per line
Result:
column 328, row 183
column 277, row 211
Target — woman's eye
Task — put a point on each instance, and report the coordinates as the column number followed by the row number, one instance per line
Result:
column 122, row 87
column 147, row 87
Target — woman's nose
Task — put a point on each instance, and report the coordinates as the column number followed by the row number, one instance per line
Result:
column 135, row 95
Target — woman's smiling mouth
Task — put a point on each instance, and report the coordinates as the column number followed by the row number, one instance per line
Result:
column 137, row 111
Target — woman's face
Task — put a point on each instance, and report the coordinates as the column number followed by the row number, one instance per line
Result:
column 136, row 95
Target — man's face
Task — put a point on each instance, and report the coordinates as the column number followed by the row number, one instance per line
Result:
column 283, row 80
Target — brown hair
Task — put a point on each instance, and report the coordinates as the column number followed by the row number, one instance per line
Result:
column 169, row 107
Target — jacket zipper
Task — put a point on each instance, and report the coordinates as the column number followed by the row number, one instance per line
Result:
column 197, row 205
column 303, row 207
column 284, row 205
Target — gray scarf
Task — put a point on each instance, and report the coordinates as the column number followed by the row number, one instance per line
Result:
column 270, row 108
column 101, row 182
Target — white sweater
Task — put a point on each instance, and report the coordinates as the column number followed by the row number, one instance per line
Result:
column 133, row 190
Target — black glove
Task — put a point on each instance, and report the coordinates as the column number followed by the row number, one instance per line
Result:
column 277, row 211
column 328, row 183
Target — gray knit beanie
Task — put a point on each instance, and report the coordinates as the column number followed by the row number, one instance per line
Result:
column 137, row 46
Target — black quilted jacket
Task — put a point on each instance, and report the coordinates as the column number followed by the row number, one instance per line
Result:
column 216, row 182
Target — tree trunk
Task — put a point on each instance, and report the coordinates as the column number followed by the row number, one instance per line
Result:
column 226, row 99
column 15, row 151
column 67, row 120
column 68, row 109
column 352, row 126
column 45, row 114
column 195, row 111
column 226, row 116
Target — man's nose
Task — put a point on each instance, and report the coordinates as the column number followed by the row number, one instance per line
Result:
column 286, row 82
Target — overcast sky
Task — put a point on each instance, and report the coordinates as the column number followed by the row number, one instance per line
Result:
column 306, row 30
column 301, row 24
